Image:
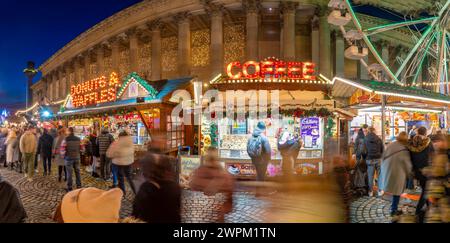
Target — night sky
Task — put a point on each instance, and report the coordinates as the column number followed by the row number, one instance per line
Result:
column 35, row 30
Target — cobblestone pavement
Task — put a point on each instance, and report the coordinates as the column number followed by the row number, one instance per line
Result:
column 43, row 194
column 375, row 210
column 41, row 197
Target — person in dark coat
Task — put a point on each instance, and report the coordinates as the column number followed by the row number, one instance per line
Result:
column 421, row 151
column 289, row 148
column 95, row 153
column 360, row 171
column 45, row 150
column 259, row 150
column 159, row 198
column 3, row 135
column 375, row 149
column 11, row 207
column 104, row 140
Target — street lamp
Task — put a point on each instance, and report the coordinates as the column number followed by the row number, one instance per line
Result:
column 30, row 72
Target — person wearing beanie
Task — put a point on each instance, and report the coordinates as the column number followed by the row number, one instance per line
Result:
column 90, row 205
column 258, row 148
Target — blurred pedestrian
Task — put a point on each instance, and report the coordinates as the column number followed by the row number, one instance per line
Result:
column 86, row 156
column 395, row 169
column 37, row 133
column 95, row 153
column 12, row 152
column 121, row 152
column 258, row 148
column 104, row 140
column 28, row 147
column 90, row 205
column 341, row 172
column 20, row 164
column 11, row 207
column 421, row 151
column 58, row 158
column 375, row 149
column 3, row 135
column 438, row 191
column 289, row 148
column 71, row 149
column 359, row 180
column 45, row 148
column 211, row 179
column 412, row 132
column 159, row 197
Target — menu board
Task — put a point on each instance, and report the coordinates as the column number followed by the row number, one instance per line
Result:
column 188, row 164
column 310, row 131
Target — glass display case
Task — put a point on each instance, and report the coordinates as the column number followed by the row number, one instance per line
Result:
column 233, row 136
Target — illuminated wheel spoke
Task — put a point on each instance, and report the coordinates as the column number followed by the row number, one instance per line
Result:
column 387, row 27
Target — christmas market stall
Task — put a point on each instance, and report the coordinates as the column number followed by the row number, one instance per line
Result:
column 402, row 108
column 135, row 105
column 286, row 96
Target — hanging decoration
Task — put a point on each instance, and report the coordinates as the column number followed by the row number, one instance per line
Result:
column 329, row 127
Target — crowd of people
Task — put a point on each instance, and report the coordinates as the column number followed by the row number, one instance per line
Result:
column 419, row 156
column 157, row 199
column 401, row 162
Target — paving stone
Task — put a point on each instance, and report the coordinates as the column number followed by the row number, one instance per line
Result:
column 41, row 197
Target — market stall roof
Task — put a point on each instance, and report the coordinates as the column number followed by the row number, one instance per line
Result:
column 164, row 88
column 390, row 89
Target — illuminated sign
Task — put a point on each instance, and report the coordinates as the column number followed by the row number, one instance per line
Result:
column 95, row 91
column 271, row 69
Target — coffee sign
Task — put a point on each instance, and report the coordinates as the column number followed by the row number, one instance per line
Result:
column 271, row 69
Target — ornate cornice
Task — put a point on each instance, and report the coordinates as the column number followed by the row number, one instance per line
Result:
column 155, row 25
column 315, row 22
column 212, row 9
column 251, row 6
column 183, row 17
column 288, row 7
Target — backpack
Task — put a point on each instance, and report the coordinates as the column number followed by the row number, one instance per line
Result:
column 254, row 147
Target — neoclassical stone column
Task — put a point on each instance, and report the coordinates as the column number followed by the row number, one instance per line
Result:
column 115, row 53
column 134, row 47
column 62, row 82
column 325, row 44
column 362, row 70
column 340, row 49
column 217, row 49
column 385, row 52
column 55, row 85
column 184, row 44
column 100, row 53
column 288, row 10
column 48, row 86
column 155, row 28
column 252, row 24
column 402, row 53
column 87, row 65
column 76, row 68
column 315, row 36
column 69, row 69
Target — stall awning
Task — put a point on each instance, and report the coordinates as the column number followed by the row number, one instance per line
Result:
column 390, row 89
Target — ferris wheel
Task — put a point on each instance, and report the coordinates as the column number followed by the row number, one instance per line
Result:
column 428, row 51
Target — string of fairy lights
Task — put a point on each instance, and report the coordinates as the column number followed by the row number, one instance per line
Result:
column 424, row 84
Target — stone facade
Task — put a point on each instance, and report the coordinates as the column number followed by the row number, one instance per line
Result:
column 162, row 39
